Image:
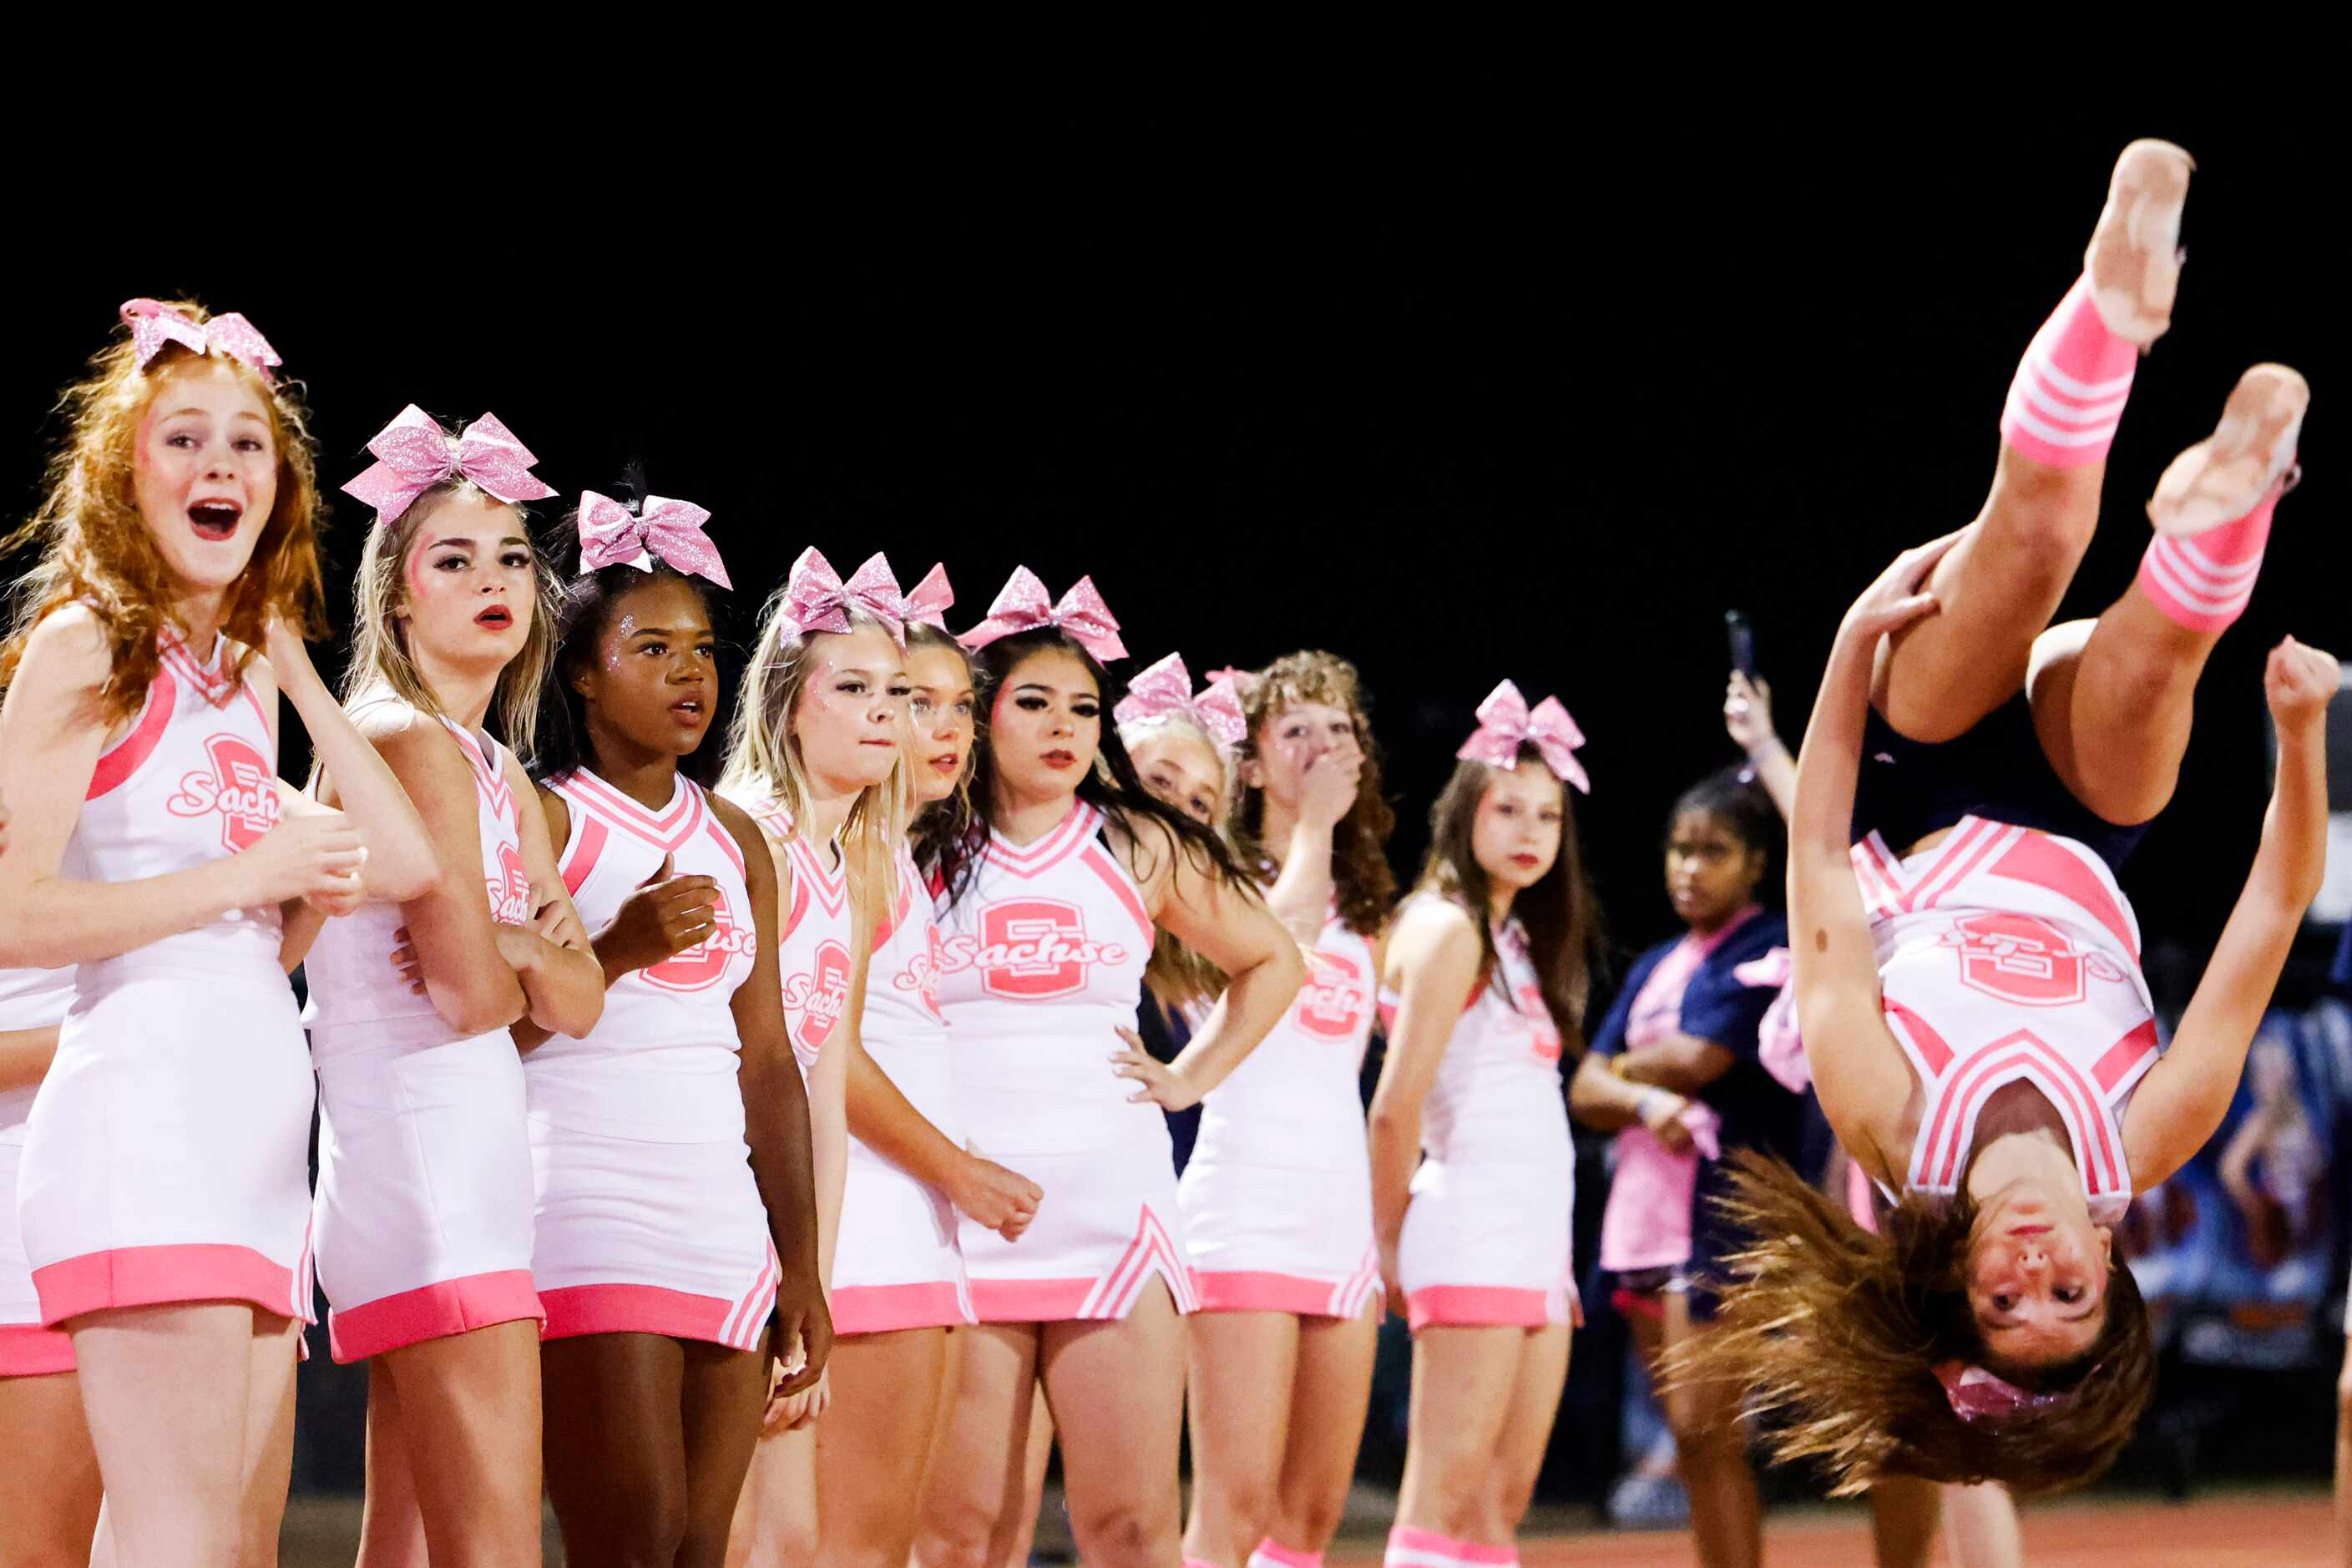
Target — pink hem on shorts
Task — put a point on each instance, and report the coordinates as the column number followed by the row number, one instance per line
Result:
column 886, row 1309
column 431, row 1312
column 1262, row 1291
column 160, row 1276
column 1476, row 1306
column 28, row 1350
column 1029, row 1300
column 577, row 1310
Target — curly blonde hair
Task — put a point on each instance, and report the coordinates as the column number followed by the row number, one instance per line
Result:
column 95, row 547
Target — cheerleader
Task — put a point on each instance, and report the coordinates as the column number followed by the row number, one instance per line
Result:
column 1491, row 959
column 1674, row 1073
column 898, row 1277
column 1050, row 908
column 1278, row 1196
column 424, row 1208
column 816, row 755
column 669, row 1142
column 1967, row 974
column 164, row 1187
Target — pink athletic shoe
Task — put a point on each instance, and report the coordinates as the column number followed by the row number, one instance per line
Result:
column 2134, row 260
column 2226, row 475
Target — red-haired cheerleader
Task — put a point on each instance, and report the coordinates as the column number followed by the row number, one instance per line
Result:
column 164, row 1193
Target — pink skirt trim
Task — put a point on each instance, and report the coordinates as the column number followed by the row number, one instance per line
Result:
column 28, row 1350
column 1477, row 1306
column 431, row 1312
column 885, row 1309
column 1261, row 1291
column 158, row 1275
column 653, row 1309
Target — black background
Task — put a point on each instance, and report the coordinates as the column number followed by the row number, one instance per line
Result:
column 1536, row 398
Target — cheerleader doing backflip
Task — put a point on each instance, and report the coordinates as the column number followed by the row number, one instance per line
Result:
column 163, row 1188
column 1967, row 974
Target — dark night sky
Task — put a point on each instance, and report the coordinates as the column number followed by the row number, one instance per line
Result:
column 1537, row 401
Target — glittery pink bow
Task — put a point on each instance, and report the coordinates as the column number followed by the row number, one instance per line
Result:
column 660, row 528
column 931, row 601
column 413, row 453
column 154, row 323
column 1504, row 725
column 1977, row 1395
column 1023, row 606
column 1166, row 688
column 1240, row 680
column 818, row 600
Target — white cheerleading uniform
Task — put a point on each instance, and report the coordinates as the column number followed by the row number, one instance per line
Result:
column 898, row 1262
column 1486, row 1238
column 649, row 1219
column 424, row 1204
column 2007, row 953
column 1042, row 964
column 1277, row 1199
column 167, row 1155
column 29, row 999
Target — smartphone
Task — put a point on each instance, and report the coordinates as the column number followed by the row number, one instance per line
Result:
column 1742, row 637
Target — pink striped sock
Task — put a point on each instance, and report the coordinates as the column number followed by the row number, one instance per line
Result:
column 1478, row 1556
column 2070, row 387
column 1413, row 1548
column 2204, row 580
column 1271, row 1553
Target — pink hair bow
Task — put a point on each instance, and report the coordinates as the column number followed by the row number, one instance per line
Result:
column 1505, row 724
column 154, row 323
column 1240, row 680
column 413, row 453
column 660, row 528
column 930, row 602
column 1023, row 606
column 1165, row 689
column 818, row 600
column 1977, row 1395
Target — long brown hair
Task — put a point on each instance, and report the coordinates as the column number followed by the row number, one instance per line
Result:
column 96, row 546
column 1560, row 913
column 1360, row 874
column 1833, row 1334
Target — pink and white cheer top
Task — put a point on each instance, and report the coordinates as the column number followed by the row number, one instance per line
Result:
column 358, row 1000
column 165, row 1156
column 813, row 952
column 189, row 784
column 1040, row 965
column 905, row 1032
column 1294, row 1102
column 661, row 1062
column 2007, row 953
